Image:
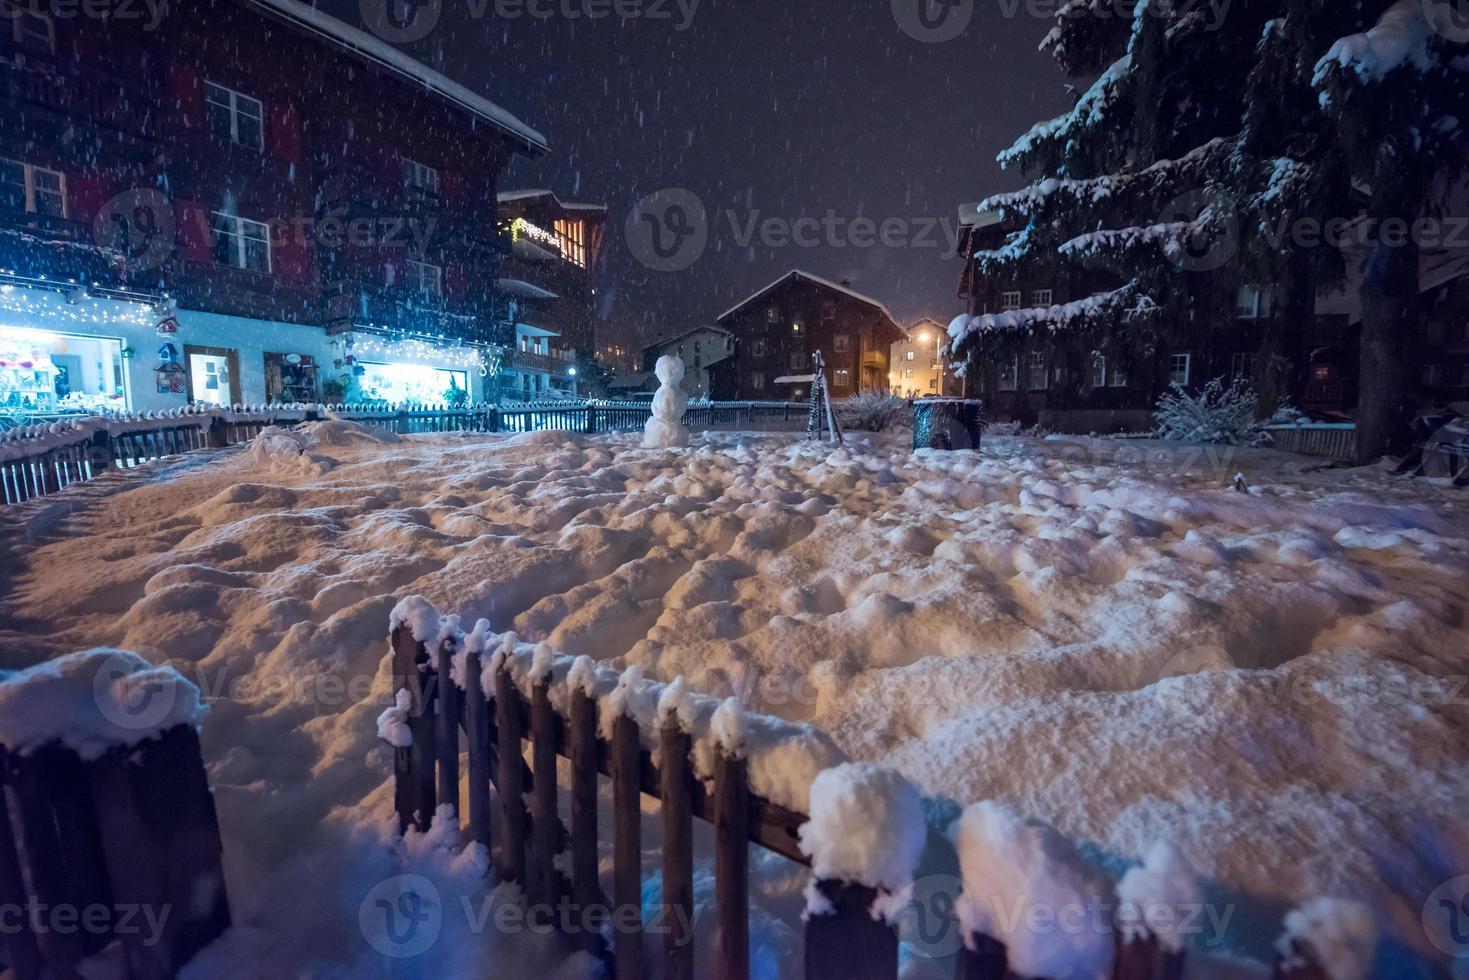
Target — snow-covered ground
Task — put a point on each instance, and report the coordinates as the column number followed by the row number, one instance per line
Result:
column 1100, row 634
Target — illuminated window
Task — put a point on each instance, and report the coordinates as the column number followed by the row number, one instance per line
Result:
column 573, row 236
column 235, row 116
column 843, row 378
column 31, row 189
column 911, row 355
column 241, row 243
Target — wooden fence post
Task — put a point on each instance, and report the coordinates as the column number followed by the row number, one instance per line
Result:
column 413, row 766
column 982, row 958
column 22, row 951
column 1142, row 957
column 511, row 771
column 544, row 822
column 477, row 726
column 219, row 436
column 627, row 848
column 586, row 890
column 676, row 785
column 446, row 733
column 847, row 943
column 731, row 864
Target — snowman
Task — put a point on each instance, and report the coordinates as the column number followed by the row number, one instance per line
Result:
column 665, row 428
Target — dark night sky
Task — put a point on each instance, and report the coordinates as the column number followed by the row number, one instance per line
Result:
column 785, row 109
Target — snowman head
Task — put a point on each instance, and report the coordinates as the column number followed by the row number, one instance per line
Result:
column 669, row 369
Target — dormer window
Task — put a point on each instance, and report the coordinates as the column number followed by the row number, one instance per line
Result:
column 235, row 116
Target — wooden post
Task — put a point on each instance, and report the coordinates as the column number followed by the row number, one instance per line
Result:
column 219, row 436
column 22, row 953
column 676, row 785
column 446, row 733
column 545, row 822
column 49, row 483
column 413, row 766
column 627, row 848
column 982, row 958
column 848, row 943
column 512, row 778
column 477, row 725
column 43, row 855
column 160, row 834
column 731, row 865
column 586, row 890
column 1143, row 958
column 1300, row 965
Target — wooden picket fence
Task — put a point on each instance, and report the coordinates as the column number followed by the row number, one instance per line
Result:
column 93, row 446
column 133, row 830
column 848, row 943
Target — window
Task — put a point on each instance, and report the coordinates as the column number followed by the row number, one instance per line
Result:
column 757, row 348
column 1241, row 366
column 798, row 360
column 1010, row 299
column 1178, row 368
column 798, row 328
column 1035, row 373
column 841, row 343
column 1118, row 371
column 1041, row 297
column 1009, row 373
column 30, row 27
column 573, row 235
column 1099, row 369
column 419, row 179
column 911, row 356
column 843, row 378
column 757, row 381
column 235, row 116
column 1253, row 302
column 241, row 243
column 31, row 189
column 426, row 278
column 908, row 374
column 828, row 311
column 772, row 314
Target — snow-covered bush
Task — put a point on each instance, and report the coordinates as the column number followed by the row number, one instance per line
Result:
column 873, row 411
column 1219, row 415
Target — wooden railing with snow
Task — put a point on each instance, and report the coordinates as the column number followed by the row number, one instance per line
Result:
column 701, row 759
column 41, row 459
column 108, row 831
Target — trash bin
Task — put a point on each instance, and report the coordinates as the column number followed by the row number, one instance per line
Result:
column 947, row 423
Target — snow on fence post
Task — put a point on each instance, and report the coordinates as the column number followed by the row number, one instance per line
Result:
column 1153, row 898
column 732, row 841
column 865, row 836
column 409, row 726
column 544, row 821
column 676, row 786
column 513, row 817
column 586, row 889
column 627, row 844
column 1327, row 939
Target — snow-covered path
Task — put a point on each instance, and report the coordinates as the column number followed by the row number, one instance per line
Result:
column 1274, row 681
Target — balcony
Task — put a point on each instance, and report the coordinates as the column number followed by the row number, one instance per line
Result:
column 350, row 305
column 40, row 246
column 556, row 366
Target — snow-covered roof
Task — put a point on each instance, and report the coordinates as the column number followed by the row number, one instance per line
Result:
column 794, row 379
column 523, row 289
column 375, row 50
column 820, row 280
column 680, row 336
column 507, row 197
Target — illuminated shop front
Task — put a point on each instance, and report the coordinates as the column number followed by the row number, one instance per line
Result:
column 398, row 383
column 54, row 371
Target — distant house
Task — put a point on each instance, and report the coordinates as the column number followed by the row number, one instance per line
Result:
column 778, row 328
column 699, row 349
column 919, row 367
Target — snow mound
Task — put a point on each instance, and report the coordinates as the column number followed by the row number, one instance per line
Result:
column 866, row 826
column 1341, row 934
column 1016, row 872
column 94, row 701
column 294, row 450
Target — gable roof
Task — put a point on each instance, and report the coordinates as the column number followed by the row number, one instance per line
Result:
column 680, row 336
column 506, row 197
column 820, row 281
column 372, row 49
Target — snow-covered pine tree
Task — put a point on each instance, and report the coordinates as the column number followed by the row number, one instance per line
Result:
column 1394, row 96
column 1121, row 183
